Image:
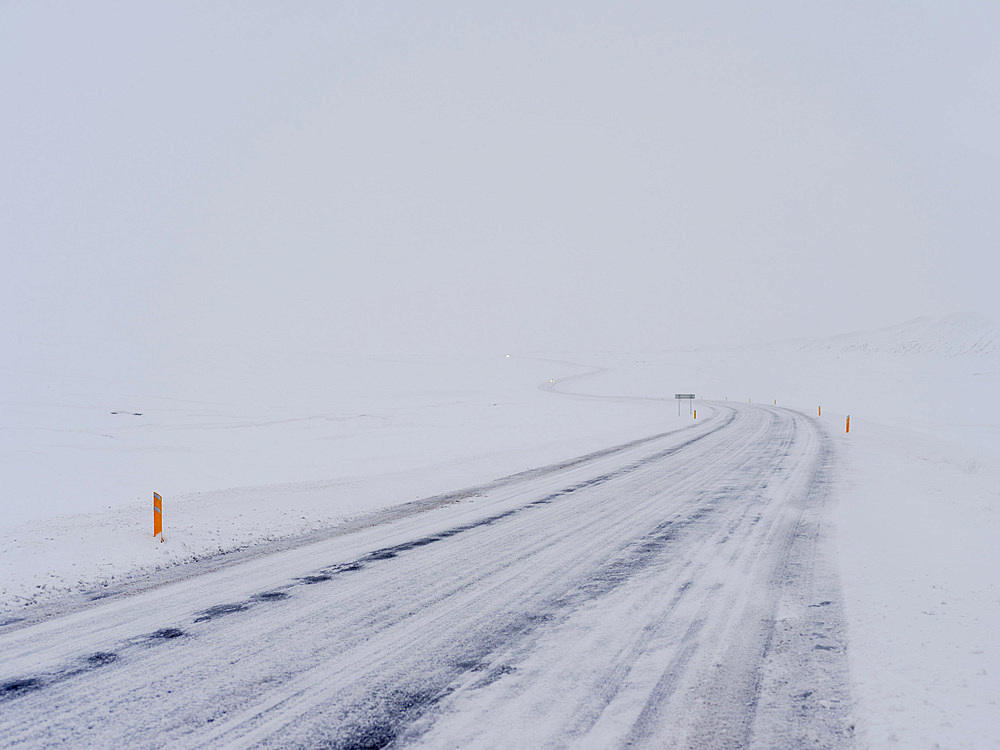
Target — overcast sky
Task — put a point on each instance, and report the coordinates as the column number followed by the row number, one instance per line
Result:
column 527, row 176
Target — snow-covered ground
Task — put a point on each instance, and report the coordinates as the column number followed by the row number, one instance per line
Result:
column 918, row 509
column 251, row 451
column 298, row 445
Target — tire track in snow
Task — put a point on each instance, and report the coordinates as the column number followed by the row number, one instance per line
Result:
column 455, row 633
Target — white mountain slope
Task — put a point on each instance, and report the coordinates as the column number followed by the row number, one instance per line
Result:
column 956, row 335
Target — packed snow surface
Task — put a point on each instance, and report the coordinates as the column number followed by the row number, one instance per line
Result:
column 284, row 468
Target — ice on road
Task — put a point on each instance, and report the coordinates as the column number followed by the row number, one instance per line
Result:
column 676, row 591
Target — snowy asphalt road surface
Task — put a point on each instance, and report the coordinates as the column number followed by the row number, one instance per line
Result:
column 674, row 592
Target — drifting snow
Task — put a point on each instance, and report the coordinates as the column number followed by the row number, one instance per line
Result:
column 78, row 478
column 307, row 443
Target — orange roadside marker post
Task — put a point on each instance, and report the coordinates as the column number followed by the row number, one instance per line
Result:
column 848, row 423
column 819, row 411
column 157, row 515
column 695, row 413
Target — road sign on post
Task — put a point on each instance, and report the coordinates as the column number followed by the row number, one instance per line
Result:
column 157, row 515
column 689, row 397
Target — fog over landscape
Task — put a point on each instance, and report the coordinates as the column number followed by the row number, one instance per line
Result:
column 382, row 177
column 390, row 302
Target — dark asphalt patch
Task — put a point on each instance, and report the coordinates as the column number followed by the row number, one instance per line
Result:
column 346, row 567
column 493, row 675
column 166, row 634
column 382, row 718
column 422, row 542
column 315, row 578
column 271, row 596
column 219, row 610
column 20, row 686
column 466, row 665
column 327, row 574
column 100, row 658
column 23, row 685
column 387, row 553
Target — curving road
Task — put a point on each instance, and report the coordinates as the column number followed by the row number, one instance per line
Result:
column 673, row 592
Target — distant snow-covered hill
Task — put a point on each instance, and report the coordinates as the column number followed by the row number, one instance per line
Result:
column 957, row 335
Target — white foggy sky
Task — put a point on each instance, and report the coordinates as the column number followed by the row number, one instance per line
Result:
column 185, row 177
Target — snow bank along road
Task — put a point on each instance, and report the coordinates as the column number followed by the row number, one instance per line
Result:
column 671, row 592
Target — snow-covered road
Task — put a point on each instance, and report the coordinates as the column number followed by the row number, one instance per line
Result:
column 674, row 592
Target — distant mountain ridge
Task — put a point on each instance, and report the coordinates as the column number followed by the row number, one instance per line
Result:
column 956, row 335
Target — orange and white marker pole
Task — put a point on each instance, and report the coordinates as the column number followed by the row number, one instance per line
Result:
column 157, row 515
column 695, row 413
column 819, row 411
column 848, row 423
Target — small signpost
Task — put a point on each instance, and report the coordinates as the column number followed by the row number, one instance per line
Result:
column 689, row 397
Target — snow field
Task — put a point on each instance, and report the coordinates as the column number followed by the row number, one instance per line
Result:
column 918, row 525
column 77, row 518
column 286, row 453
